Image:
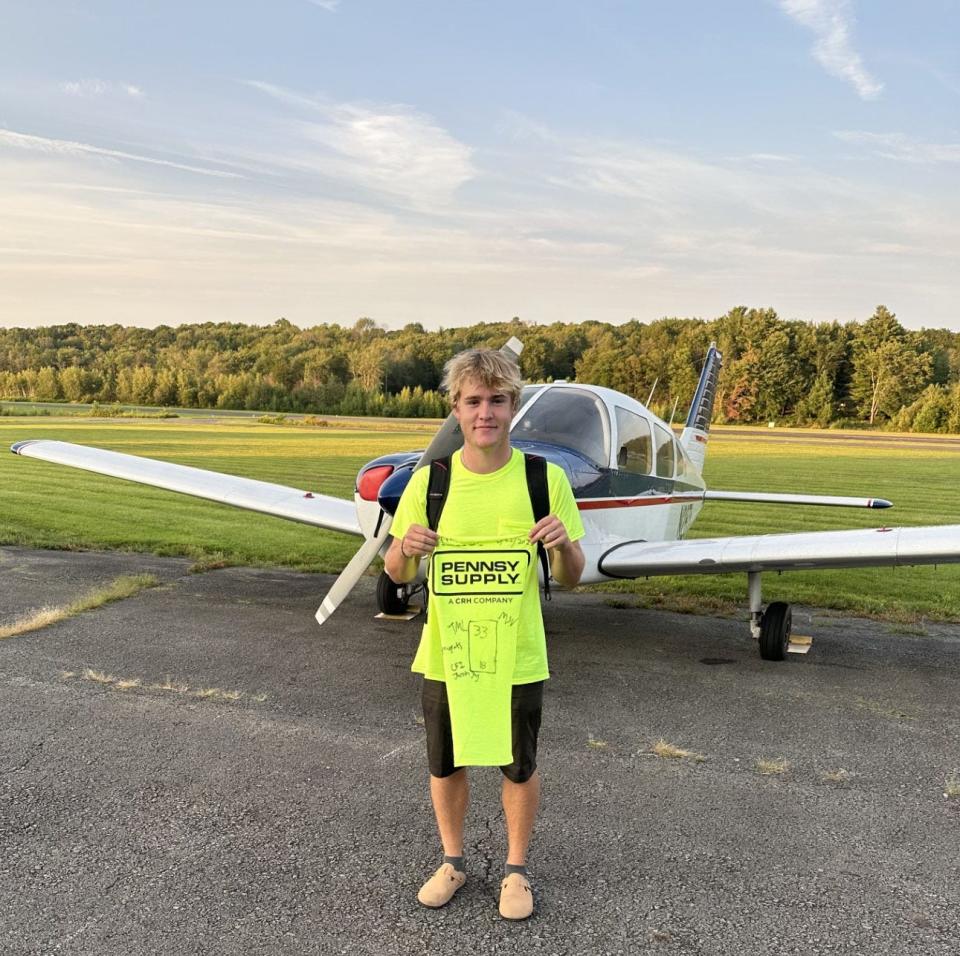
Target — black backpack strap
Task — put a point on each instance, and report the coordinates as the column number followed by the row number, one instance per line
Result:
column 539, row 492
column 438, row 486
column 437, row 489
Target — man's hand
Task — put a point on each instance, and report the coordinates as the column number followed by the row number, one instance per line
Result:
column 419, row 541
column 402, row 560
column 566, row 556
column 551, row 532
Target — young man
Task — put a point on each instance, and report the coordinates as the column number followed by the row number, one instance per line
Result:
column 488, row 498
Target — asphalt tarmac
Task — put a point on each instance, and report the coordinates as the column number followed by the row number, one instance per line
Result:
column 262, row 789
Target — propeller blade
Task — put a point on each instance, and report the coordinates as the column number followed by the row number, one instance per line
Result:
column 354, row 570
column 512, row 349
column 447, row 440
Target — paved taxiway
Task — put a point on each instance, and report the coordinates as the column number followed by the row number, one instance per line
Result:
column 294, row 818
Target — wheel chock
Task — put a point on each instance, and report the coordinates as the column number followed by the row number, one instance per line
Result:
column 412, row 611
column 799, row 644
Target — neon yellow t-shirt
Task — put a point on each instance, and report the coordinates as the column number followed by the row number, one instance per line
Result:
column 480, row 508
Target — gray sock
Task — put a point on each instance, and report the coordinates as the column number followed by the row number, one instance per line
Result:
column 509, row 868
column 455, row 861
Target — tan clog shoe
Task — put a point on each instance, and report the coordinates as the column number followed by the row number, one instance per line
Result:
column 439, row 889
column 516, row 897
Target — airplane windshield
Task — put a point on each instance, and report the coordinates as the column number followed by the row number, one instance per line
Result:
column 528, row 392
column 570, row 417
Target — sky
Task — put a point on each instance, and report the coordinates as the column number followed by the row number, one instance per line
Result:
column 473, row 160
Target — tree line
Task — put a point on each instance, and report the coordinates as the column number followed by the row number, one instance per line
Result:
column 873, row 372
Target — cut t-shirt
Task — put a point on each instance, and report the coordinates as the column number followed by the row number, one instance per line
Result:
column 475, row 596
column 479, row 508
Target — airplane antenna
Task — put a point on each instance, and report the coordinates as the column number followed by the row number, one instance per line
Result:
column 653, row 388
column 674, row 412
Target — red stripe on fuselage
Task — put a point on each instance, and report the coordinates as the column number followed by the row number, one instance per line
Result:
column 595, row 503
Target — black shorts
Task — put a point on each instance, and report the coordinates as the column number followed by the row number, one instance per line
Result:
column 525, row 709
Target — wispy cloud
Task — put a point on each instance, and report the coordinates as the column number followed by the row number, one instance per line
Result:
column 393, row 149
column 664, row 182
column 63, row 147
column 92, row 88
column 709, row 216
column 768, row 158
column 832, row 23
column 328, row 5
column 899, row 147
column 357, row 210
column 166, row 254
column 287, row 96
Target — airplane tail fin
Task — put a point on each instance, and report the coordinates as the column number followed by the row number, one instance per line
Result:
column 695, row 432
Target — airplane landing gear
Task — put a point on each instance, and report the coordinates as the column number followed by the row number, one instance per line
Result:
column 771, row 627
column 392, row 598
column 775, row 627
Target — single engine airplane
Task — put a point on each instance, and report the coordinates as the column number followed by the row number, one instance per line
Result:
column 638, row 487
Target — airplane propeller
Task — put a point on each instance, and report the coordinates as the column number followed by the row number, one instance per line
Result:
column 446, row 441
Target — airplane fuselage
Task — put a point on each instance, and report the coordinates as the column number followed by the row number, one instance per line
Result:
column 630, row 476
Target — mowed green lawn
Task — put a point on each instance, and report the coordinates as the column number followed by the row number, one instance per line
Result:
column 51, row 506
column 45, row 505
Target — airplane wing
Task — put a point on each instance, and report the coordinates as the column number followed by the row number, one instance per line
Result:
column 861, row 548
column 762, row 497
column 322, row 511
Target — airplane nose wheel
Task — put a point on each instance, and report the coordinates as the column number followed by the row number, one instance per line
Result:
column 775, row 627
column 392, row 598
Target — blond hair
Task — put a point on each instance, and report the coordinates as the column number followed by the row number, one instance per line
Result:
column 492, row 369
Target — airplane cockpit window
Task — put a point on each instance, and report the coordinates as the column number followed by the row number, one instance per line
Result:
column 635, row 445
column 570, row 417
column 665, row 451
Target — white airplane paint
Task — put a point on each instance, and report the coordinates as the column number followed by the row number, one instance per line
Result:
column 639, row 488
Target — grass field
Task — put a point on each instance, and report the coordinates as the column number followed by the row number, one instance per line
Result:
column 51, row 506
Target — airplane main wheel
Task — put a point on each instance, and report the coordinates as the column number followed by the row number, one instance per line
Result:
column 391, row 598
column 775, row 627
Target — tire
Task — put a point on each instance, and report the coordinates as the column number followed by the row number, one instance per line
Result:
column 391, row 598
column 775, row 627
